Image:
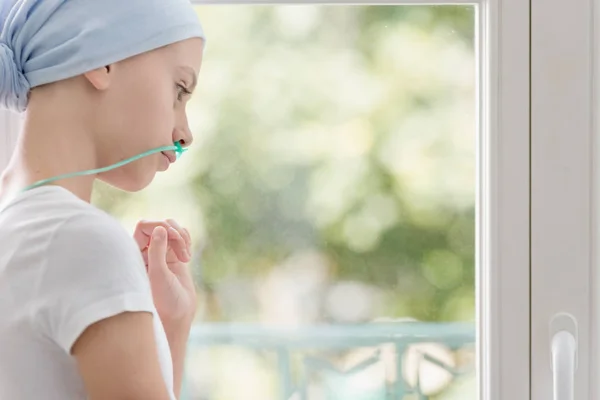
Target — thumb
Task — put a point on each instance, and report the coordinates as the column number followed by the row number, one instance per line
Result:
column 157, row 251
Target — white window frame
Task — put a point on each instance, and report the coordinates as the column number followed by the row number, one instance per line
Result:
column 565, row 188
column 503, row 237
column 594, row 265
column 504, row 198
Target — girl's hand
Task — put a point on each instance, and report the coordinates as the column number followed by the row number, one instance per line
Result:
column 166, row 248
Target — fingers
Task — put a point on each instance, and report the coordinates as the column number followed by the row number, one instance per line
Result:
column 143, row 232
column 178, row 245
column 182, row 231
column 157, row 252
column 176, row 235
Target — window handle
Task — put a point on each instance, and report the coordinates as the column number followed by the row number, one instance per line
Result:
column 563, row 331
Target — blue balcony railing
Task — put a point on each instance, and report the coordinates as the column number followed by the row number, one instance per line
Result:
column 291, row 344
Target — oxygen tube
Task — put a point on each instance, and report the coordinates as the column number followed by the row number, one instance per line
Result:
column 176, row 147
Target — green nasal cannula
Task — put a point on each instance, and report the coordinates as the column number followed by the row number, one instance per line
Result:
column 176, row 147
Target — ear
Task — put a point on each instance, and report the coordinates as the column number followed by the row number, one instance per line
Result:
column 100, row 78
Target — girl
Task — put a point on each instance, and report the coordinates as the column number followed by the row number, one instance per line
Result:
column 88, row 311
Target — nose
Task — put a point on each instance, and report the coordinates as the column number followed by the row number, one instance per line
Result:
column 182, row 133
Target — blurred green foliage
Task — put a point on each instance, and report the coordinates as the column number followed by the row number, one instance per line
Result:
column 343, row 131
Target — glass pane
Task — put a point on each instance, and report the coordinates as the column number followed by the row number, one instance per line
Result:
column 331, row 194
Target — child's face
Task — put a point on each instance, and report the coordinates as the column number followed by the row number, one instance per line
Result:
column 143, row 107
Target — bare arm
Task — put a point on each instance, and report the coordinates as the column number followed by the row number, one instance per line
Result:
column 118, row 360
column 177, row 338
column 166, row 248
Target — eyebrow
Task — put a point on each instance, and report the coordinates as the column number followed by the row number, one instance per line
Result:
column 191, row 74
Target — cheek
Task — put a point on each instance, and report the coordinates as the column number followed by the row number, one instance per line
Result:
column 152, row 112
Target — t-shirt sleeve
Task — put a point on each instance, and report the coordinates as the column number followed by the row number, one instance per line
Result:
column 93, row 270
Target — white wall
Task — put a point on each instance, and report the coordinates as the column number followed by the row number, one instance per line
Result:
column 10, row 124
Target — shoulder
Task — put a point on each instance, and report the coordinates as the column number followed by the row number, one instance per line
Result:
column 61, row 220
column 93, row 229
column 88, row 248
column 91, row 234
column 64, row 231
column 92, row 269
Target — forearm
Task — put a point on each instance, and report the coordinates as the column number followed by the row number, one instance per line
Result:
column 178, row 339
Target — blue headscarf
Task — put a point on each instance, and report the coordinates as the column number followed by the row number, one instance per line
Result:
column 43, row 41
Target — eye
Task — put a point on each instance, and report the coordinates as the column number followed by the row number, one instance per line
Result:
column 182, row 91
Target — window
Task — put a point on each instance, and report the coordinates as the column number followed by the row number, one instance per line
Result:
column 359, row 194
column 342, row 188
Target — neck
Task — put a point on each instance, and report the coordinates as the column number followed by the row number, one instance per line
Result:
column 53, row 142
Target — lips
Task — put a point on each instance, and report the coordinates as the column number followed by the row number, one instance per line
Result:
column 170, row 155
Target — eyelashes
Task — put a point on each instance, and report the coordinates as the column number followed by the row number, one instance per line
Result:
column 182, row 91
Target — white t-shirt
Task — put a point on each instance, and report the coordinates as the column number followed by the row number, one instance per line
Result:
column 64, row 265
